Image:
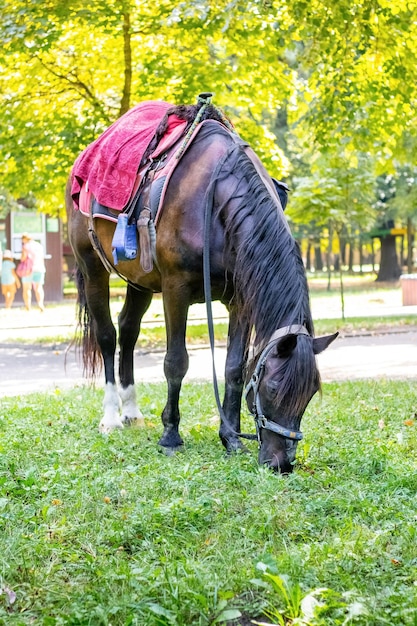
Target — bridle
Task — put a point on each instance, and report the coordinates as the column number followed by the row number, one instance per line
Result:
column 261, row 421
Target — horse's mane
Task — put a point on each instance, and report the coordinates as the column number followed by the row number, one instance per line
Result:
column 269, row 276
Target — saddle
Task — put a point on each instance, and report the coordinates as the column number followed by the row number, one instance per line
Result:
column 139, row 217
column 136, row 222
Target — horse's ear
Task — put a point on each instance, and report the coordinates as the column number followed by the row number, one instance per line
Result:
column 321, row 343
column 286, row 346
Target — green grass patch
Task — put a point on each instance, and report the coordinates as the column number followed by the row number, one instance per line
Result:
column 357, row 325
column 197, row 334
column 352, row 284
column 106, row 530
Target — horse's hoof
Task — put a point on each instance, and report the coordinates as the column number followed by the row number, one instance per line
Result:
column 234, row 451
column 235, row 447
column 106, row 429
column 170, row 451
column 134, row 422
column 171, row 439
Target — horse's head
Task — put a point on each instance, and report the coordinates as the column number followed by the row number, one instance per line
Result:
column 281, row 380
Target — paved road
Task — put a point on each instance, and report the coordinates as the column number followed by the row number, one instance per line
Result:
column 26, row 369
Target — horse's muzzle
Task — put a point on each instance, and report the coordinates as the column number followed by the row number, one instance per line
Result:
column 281, row 459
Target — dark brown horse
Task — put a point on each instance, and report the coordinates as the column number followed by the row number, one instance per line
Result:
column 255, row 270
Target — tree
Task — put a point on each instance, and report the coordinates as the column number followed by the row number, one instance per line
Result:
column 70, row 69
column 78, row 72
column 355, row 58
column 405, row 204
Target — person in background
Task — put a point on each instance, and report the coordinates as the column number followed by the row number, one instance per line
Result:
column 10, row 281
column 34, row 249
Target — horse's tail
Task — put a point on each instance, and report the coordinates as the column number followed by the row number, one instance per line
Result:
column 86, row 338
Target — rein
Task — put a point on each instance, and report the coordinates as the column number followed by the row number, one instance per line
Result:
column 261, row 421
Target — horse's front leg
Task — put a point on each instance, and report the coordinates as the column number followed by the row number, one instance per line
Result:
column 232, row 402
column 175, row 363
column 135, row 306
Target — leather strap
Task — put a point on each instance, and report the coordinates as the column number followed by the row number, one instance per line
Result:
column 207, row 293
column 293, row 329
column 145, row 240
column 143, row 226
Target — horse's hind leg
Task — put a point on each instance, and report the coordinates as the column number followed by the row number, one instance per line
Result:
column 97, row 294
column 175, row 363
column 135, row 306
column 98, row 328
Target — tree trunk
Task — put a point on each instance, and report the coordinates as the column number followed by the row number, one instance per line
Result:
column 389, row 268
column 351, row 251
column 342, row 249
column 318, row 263
column 308, row 257
column 360, row 256
column 373, row 255
column 328, row 254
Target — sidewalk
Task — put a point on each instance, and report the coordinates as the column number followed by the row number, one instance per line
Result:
column 61, row 319
column 351, row 358
column 348, row 358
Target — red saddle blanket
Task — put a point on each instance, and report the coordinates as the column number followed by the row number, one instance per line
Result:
column 110, row 164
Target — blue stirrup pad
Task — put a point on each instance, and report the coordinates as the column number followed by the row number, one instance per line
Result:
column 125, row 243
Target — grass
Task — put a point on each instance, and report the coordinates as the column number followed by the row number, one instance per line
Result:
column 197, row 334
column 107, row 531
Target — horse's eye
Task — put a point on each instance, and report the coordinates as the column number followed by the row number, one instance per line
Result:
column 272, row 387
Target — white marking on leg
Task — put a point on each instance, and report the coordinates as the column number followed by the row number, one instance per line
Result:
column 130, row 409
column 111, row 405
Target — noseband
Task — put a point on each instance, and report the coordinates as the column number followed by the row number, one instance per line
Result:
column 261, row 421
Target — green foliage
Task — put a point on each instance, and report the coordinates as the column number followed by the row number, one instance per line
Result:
column 404, row 202
column 355, row 65
column 69, row 70
column 7, row 203
column 340, row 190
